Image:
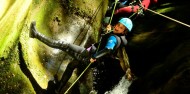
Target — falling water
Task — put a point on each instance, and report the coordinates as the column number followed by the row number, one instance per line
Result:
column 121, row 88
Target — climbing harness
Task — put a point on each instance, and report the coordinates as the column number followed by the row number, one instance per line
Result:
column 140, row 10
column 177, row 21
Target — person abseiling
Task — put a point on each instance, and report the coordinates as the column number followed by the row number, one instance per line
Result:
column 108, row 47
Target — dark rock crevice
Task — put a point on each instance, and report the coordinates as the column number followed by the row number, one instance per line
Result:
column 27, row 72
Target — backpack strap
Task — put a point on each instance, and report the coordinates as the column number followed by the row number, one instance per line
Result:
column 121, row 40
column 124, row 40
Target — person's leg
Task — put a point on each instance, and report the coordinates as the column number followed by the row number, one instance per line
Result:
column 71, row 49
column 66, row 75
column 48, row 41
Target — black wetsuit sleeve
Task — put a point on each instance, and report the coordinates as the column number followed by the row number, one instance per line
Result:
column 101, row 53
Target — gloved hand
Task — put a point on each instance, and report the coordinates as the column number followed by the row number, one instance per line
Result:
column 108, row 28
column 92, row 60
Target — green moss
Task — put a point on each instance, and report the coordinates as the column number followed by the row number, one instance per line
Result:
column 43, row 12
column 10, row 28
column 89, row 8
column 16, row 82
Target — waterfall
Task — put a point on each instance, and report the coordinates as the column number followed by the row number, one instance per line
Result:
column 121, row 87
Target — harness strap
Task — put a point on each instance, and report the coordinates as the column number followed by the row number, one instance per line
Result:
column 118, row 41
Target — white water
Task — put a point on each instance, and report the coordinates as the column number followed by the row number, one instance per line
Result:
column 121, row 88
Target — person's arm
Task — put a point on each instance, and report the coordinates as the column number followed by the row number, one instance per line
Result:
column 112, row 42
column 130, row 9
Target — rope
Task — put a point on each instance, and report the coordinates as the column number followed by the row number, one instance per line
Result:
column 177, row 21
column 93, row 18
column 113, row 11
column 132, row 15
column 77, row 78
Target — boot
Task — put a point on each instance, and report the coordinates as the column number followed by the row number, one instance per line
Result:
column 32, row 30
column 48, row 41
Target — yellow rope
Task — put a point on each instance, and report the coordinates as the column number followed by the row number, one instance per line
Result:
column 132, row 15
column 177, row 21
column 78, row 78
column 113, row 11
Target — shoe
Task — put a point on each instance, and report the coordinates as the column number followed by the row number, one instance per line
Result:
column 55, row 79
column 56, row 91
column 56, row 88
column 32, row 29
column 51, row 87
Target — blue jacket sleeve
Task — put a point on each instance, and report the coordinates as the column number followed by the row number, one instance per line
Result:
column 111, row 43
